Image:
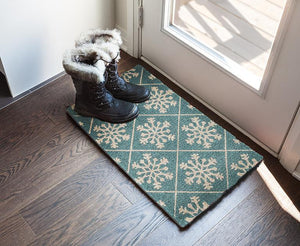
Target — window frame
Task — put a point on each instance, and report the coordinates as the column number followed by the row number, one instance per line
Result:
column 234, row 70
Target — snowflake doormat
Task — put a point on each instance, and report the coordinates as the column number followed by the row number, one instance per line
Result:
column 182, row 159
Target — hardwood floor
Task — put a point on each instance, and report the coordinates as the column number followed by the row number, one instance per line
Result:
column 58, row 188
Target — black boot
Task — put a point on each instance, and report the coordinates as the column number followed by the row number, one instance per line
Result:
column 93, row 100
column 121, row 89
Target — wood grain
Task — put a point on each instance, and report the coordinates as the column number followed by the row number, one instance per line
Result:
column 22, row 132
column 12, row 165
column 58, row 202
column 15, row 231
column 123, row 183
column 258, row 220
column 206, row 222
column 130, row 227
column 89, row 216
column 274, row 227
column 64, row 92
column 63, row 155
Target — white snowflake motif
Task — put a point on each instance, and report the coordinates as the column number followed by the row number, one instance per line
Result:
column 243, row 165
column 160, row 100
column 190, row 106
column 151, row 77
column 193, row 208
column 80, row 123
column 201, row 171
column 111, row 134
column 155, row 133
column 117, row 160
column 130, row 74
column 161, row 203
column 201, row 132
column 152, row 170
column 236, row 141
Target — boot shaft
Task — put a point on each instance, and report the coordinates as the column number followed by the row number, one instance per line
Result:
column 87, row 70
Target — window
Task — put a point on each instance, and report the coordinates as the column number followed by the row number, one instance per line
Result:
column 237, row 35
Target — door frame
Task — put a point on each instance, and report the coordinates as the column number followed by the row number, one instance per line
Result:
column 134, row 40
column 289, row 155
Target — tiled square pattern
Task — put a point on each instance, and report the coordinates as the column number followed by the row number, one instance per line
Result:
column 182, row 159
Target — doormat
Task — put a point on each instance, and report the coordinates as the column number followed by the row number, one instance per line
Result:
column 179, row 157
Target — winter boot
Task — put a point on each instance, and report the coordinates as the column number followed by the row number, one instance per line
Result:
column 121, row 89
column 109, row 41
column 92, row 98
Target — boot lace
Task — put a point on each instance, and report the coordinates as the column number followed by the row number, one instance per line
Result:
column 113, row 78
column 100, row 95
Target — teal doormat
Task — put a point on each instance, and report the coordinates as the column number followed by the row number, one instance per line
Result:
column 178, row 156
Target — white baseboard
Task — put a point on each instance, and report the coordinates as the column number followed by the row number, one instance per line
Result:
column 26, row 93
column 213, row 109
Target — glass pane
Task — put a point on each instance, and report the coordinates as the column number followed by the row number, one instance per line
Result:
column 240, row 30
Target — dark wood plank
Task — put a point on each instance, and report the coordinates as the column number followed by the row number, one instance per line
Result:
column 21, row 133
column 15, row 231
column 58, row 202
column 129, row 228
column 91, row 215
column 43, row 145
column 131, row 62
column 52, row 100
column 169, row 234
column 55, row 106
column 275, row 227
column 124, row 184
column 258, row 220
column 65, row 153
column 47, row 149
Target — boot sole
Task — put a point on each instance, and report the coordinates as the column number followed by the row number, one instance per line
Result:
column 144, row 99
column 109, row 119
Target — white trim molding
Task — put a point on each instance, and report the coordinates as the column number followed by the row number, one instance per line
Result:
column 289, row 155
column 133, row 30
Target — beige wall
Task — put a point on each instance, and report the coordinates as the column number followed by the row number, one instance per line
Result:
column 121, row 13
column 121, row 20
column 34, row 35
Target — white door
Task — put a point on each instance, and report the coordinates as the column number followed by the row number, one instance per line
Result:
column 266, row 111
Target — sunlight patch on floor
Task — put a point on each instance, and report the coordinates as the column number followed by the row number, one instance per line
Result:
column 277, row 191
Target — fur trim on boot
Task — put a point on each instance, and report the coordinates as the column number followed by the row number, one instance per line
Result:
column 107, row 40
column 84, row 63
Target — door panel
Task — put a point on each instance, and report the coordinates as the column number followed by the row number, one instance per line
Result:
column 266, row 118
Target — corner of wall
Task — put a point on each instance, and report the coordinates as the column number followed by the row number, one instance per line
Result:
column 121, row 14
